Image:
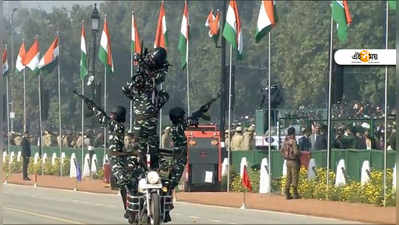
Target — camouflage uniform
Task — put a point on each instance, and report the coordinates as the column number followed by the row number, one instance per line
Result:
column 120, row 163
column 147, row 101
column 180, row 154
column 293, row 163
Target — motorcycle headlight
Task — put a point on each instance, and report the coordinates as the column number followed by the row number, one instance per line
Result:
column 153, row 177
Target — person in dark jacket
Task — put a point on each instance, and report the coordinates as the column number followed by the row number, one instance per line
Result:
column 26, row 154
column 321, row 140
column 304, row 143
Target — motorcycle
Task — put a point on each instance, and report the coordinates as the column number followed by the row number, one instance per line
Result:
column 153, row 200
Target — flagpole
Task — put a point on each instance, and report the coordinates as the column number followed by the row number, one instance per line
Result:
column 59, row 98
column 188, row 79
column 8, row 116
column 229, row 121
column 40, row 119
column 386, row 105
column 187, row 65
column 131, row 102
column 83, row 92
column 160, row 123
column 25, row 100
column 329, row 105
column 269, row 111
column 105, row 108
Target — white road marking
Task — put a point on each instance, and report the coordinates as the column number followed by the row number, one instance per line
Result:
column 66, row 190
column 216, row 221
column 194, row 217
column 269, row 211
column 59, row 219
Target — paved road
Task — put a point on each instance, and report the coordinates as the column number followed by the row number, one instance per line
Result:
column 25, row 204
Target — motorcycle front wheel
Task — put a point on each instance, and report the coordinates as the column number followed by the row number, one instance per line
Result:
column 155, row 209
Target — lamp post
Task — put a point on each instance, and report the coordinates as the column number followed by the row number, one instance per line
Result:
column 95, row 25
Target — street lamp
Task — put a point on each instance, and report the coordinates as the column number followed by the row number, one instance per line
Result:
column 95, row 19
column 95, row 25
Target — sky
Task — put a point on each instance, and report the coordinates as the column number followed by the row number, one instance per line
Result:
column 46, row 5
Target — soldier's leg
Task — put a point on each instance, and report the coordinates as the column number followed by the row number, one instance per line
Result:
column 152, row 140
column 119, row 170
column 153, row 145
column 133, row 173
column 295, row 179
column 177, row 170
column 289, row 179
column 25, row 167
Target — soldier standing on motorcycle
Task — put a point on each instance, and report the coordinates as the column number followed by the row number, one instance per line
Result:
column 148, row 100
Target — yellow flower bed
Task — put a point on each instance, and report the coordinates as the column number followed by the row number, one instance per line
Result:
column 353, row 191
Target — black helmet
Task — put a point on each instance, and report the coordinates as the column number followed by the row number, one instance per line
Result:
column 158, row 57
column 176, row 115
column 120, row 114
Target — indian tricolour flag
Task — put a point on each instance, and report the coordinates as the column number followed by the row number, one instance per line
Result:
column 31, row 59
column 49, row 59
column 213, row 23
column 183, row 37
column 232, row 30
column 105, row 53
column 83, row 54
column 161, row 37
column 136, row 45
column 21, row 54
column 342, row 16
column 266, row 19
column 5, row 61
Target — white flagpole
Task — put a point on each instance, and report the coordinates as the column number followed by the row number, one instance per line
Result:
column 8, row 116
column 40, row 119
column 105, row 107
column 229, row 121
column 25, row 100
column 188, row 79
column 269, row 111
column 329, row 104
column 131, row 76
column 83, row 103
column 187, row 65
column 160, row 124
column 8, row 108
column 386, row 105
column 59, row 98
column 131, row 102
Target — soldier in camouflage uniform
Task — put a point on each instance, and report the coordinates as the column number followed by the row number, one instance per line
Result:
column 179, row 140
column 123, row 162
column 179, row 147
column 147, row 101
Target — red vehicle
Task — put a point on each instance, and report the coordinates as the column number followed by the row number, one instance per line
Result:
column 204, row 159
